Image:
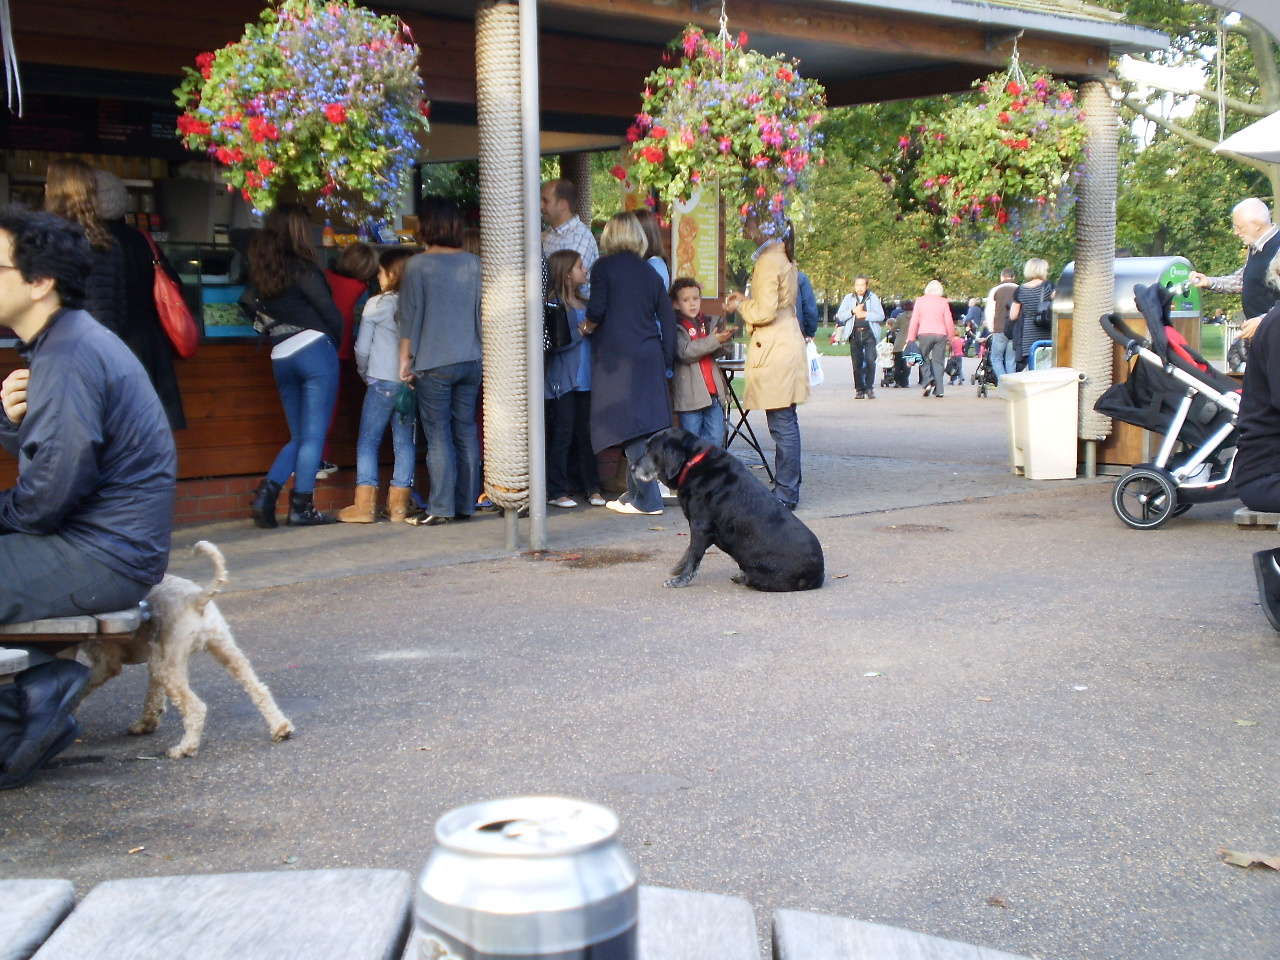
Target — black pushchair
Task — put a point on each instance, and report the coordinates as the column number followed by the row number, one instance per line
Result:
column 1169, row 393
column 984, row 375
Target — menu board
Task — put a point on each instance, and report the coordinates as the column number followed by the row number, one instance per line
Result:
column 695, row 239
column 92, row 125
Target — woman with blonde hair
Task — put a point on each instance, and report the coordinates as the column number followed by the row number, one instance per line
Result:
column 932, row 328
column 120, row 288
column 630, row 354
column 1032, row 309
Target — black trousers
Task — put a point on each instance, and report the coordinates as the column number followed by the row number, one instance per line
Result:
column 46, row 576
column 569, row 419
column 862, row 350
column 1261, row 494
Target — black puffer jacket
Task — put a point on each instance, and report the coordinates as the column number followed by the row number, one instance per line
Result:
column 306, row 303
column 96, row 460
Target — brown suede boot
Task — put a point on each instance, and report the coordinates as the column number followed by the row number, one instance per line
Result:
column 362, row 510
column 399, row 500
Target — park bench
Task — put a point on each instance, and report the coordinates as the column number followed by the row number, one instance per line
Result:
column 799, row 935
column 311, row 914
column 62, row 634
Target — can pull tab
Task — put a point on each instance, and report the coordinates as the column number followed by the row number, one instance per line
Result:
column 550, row 833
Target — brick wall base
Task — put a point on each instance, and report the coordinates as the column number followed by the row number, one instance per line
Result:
column 214, row 499
column 227, row 498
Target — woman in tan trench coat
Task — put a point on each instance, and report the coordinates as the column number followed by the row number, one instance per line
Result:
column 776, row 371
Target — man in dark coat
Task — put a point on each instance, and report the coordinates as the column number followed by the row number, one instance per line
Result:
column 86, row 528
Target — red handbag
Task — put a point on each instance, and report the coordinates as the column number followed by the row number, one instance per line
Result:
column 175, row 316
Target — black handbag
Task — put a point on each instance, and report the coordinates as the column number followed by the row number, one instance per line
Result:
column 555, row 327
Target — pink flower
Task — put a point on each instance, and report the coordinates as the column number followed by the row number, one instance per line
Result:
column 725, row 144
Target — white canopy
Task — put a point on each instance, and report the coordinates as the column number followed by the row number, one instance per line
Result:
column 1259, row 140
column 1265, row 13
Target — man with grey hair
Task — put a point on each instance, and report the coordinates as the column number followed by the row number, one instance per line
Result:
column 1258, row 282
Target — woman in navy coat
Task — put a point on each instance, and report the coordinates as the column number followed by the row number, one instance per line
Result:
column 632, row 327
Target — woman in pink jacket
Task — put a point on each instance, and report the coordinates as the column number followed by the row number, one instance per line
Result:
column 932, row 329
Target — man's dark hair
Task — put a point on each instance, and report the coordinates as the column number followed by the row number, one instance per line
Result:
column 1007, row 274
column 46, row 247
column 440, row 222
column 566, row 190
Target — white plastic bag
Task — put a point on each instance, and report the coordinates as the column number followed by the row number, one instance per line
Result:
column 815, row 363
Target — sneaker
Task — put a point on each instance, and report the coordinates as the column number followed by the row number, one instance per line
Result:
column 566, row 503
column 630, row 509
column 859, row 395
column 326, row 470
column 596, row 500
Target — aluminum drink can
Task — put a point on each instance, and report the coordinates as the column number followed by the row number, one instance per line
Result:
column 527, row 878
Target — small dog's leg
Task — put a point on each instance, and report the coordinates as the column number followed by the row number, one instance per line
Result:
column 152, row 707
column 687, row 568
column 169, row 666
column 224, row 648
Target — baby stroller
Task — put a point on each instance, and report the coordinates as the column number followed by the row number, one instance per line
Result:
column 1172, row 391
column 884, row 360
column 985, row 375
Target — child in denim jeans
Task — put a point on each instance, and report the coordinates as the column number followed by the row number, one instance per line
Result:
column 378, row 360
column 698, row 389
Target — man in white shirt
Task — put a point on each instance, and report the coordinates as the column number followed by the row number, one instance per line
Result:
column 1258, row 281
column 564, row 230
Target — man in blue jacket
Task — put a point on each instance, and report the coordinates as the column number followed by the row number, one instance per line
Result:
column 862, row 314
column 86, row 528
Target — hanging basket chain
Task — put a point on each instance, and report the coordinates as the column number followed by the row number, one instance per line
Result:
column 1015, row 66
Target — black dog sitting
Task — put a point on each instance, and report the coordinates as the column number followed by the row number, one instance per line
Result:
column 728, row 507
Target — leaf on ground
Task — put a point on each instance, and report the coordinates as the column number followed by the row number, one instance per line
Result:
column 984, row 700
column 730, row 633
column 137, row 849
column 997, row 902
column 840, row 576
column 657, row 528
column 1246, row 723
column 1251, row 859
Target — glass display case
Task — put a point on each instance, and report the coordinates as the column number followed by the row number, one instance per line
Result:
column 213, row 277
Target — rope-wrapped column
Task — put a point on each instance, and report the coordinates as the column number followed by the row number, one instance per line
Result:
column 506, row 407
column 577, row 167
column 1094, row 292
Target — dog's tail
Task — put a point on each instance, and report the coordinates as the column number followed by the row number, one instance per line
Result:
column 219, row 572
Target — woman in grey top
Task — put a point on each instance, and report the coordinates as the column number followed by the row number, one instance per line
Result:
column 439, row 317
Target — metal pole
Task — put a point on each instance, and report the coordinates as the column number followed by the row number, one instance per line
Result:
column 530, row 122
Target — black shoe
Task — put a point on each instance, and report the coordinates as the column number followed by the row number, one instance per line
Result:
column 263, row 506
column 326, row 470
column 303, row 512
column 871, row 394
column 859, row 395
column 1267, row 574
column 48, row 694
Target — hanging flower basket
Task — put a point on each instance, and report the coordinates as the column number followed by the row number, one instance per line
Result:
column 1017, row 143
column 728, row 112
column 321, row 95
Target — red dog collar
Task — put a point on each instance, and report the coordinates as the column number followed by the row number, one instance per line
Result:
column 689, row 463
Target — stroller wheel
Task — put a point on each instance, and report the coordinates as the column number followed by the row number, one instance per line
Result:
column 1145, row 498
column 982, row 389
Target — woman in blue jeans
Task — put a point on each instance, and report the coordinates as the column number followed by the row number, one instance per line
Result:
column 439, row 318
column 287, row 284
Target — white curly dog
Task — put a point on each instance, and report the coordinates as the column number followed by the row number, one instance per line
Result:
column 184, row 620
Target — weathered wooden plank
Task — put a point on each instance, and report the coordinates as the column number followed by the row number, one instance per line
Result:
column 11, row 662
column 317, row 914
column 29, row 910
column 798, row 935
column 687, row 925
column 51, row 625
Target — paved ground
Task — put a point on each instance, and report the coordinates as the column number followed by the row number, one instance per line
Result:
column 1006, row 718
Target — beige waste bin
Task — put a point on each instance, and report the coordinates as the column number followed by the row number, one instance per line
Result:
column 1043, row 413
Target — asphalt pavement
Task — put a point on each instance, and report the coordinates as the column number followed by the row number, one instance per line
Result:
column 1006, row 718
